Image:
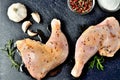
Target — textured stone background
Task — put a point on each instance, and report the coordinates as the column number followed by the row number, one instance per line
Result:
column 72, row 25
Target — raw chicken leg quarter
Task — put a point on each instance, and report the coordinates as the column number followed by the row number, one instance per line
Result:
column 104, row 37
column 40, row 58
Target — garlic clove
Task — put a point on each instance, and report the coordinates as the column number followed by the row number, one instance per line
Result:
column 30, row 33
column 36, row 17
column 26, row 25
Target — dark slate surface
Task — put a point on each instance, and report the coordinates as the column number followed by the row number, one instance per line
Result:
column 72, row 25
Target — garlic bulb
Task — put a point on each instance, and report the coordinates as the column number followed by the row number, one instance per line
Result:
column 17, row 12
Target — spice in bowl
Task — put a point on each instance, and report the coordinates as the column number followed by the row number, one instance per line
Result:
column 81, row 6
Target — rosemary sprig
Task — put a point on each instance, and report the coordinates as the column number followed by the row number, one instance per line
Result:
column 97, row 60
column 10, row 50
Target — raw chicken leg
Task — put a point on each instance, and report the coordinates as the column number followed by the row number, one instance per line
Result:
column 40, row 58
column 104, row 37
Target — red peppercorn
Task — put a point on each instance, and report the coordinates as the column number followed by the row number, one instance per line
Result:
column 81, row 6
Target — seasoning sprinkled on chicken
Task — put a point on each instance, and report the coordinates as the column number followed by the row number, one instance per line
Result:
column 104, row 37
column 40, row 58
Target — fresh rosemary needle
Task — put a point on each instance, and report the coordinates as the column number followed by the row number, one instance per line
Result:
column 97, row 61
column 10, row 50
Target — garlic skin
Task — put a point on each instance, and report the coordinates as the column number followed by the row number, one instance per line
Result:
column 26, row 25
column 17, row 12
column 30, row 33
column 36, row 16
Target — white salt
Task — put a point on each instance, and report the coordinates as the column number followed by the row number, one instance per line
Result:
column 109, row 4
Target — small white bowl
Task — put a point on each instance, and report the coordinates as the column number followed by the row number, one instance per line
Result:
column 117, row 5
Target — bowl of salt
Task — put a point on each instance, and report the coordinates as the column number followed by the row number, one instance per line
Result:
column 109, row 5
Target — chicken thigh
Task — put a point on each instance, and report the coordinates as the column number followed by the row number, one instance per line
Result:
column 40, row 58
column 104, row 37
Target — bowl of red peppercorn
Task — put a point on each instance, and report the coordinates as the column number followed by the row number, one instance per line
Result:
column 81, row 6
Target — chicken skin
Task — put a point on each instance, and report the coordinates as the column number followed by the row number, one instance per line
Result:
column 104, row 37
column 40, row 58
